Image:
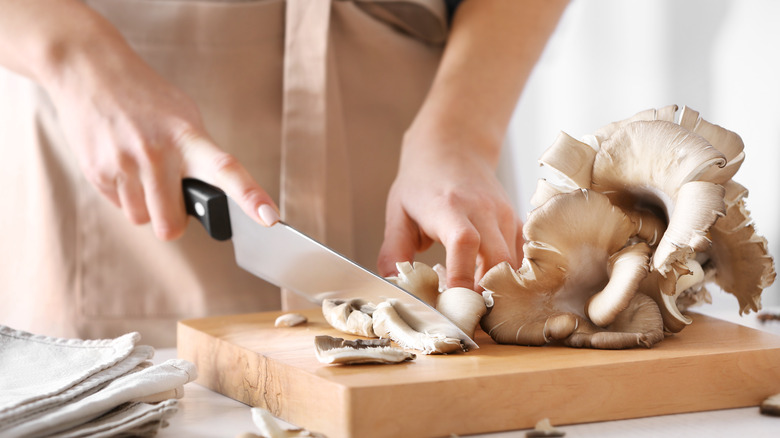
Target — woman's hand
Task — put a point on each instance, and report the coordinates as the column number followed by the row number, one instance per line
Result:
column 447, row 192
column 135, row 135
column 446, row 189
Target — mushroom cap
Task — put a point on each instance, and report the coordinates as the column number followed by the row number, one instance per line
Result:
column 418, row 279
column 569, row 242
column 739, row 255
column 352, row 316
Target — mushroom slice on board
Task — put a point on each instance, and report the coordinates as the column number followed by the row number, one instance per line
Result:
column 389, row 324
column 350, row 316
column 332, row 350
column 576, row 264
column 462, row 306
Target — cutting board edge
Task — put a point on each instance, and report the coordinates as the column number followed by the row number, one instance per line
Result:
column 218, row 372
column 560, row 408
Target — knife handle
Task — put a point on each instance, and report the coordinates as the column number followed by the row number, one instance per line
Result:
column 208, row 204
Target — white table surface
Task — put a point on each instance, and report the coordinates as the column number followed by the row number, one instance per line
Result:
column 204, row 413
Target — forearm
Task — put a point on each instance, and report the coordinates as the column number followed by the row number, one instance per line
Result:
column 53, row 41
column 490, row 54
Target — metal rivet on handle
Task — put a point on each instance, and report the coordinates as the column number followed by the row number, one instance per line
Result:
column 200, row 209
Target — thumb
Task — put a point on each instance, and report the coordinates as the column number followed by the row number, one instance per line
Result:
column 206, row 161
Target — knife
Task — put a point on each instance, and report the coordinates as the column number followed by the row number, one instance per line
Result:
column 288, row 258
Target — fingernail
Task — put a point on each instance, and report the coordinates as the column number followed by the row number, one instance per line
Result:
column 268, row 215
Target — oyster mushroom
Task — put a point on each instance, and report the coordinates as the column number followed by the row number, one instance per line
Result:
column 651, row 166
column 639, row 325
column 576, row 265
column 269, row 428
column 350, row 316
column 771, row 406
column 418, row 279
column 389, row 324
column 665, row 291
column 740, row 257
column 462, row 306
column 669, row 178
column 290, row 320
column 332, row 350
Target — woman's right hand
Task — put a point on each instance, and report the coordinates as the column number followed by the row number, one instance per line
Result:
column 134, row 134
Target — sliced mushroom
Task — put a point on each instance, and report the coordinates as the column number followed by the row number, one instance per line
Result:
column 389, row 324
column 771, row 406
column 350, row 316
column 290, row 320
column 544, row 428
column 332, row 350
column 269, row 428
column 462, row 306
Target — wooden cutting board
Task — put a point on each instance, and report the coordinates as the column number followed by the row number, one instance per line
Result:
column 712, row 364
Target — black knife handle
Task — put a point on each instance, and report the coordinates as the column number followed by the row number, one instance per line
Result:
column 209, row 205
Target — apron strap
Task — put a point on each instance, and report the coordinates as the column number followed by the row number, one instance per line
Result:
column 304, row 132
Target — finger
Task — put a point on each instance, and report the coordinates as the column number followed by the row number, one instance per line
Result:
column 204, row 160
column 401, row 242
column 496, row 246
column 461, row 243
column 165, row 200
column 130, row 193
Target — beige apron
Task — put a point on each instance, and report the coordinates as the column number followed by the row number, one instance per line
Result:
column 340, row 90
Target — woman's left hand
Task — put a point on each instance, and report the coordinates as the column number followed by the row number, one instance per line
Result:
column 445, row 191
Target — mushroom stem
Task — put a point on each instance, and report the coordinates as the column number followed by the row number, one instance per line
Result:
column 389, row 324
column 462, row 306
column 628, row 267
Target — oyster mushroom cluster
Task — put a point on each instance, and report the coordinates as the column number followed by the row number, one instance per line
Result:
column 645, row 215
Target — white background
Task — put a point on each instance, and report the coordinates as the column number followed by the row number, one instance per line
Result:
column 610, row 59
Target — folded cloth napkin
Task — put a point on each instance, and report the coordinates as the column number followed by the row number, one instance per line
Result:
column 72, row 387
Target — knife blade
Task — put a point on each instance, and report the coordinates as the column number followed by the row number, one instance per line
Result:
column 290, row 259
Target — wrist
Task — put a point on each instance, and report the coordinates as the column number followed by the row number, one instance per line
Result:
column 76, row 52
column 453, row 133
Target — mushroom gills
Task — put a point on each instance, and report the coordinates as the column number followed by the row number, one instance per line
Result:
column 332, row 350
